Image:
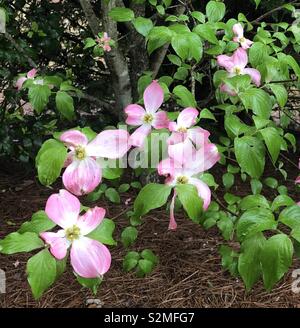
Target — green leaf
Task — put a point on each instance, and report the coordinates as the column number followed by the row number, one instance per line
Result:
column 249, row 264
column 190, row 200
column 65, row 105
column 250, row 154
column 256, row 186
column 258, row 101
column 187, row 46
column 276, row 258
column 280, row 93
column 89, row 42
column 258, row 53
column 39, row 96
column 17, row 243
column 290, row 216
column 130, row 261
column 147, row 254
column 207, row 114
column 225, row 224
column 157, row 37
column 113, row 195
column 229, row 259
column 215, row 11
column 146, row 266
column 282, row 200
column 129, row 236
column 41, row 271
column 186, row 99
column 206, row 33
column 39, row 223
column 119, row 14
column 103, row 233
column 199, row 16
column 91, row 283
column 112, row 173
column 228, row 180
column 253, row 221
column 271, row 182
column 273, row 141
column 143, row 25
column 123, row 187
column 253, row 201
column 257, row 2
column 152, row 196
column 50, row 160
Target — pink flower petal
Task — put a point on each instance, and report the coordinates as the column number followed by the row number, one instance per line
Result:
column 161, row 120
column 226, row 62
column 255, row 75
column 58, row 243
column 203, row 191
column 135, row 114
column 63, row 208
column 198, row 136
column 109, row 144
column 82, row 177
column 74, row 138
column 138, row 137
column 172, row 223
column 167, row 167
column 90, row 220
column 32, row 73
column 238, row 30
column 246, row 44
column 153, row 97
column 240, row 58
column 187, row 117
column 182, row 152
column 172, row 126
column 20, row 82
column 89, row 258
column 297, row 180
column 176, row 137
column 226, row 89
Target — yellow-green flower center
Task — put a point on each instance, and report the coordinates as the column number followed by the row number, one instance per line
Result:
column 237, row 70
column 182, row 129
column 73, row 233
column 182, row 180
column 148, row 118
column 80, row 152
column 242, row 40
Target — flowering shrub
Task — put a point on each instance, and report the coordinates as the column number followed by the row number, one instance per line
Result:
column 258, row 71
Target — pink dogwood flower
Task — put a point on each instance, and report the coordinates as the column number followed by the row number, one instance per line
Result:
column 30, row 75
column 185, row 171
column 148, row 117
column 236, row 65
column 104, row 42
column 239, row 36
column 89, row 258
column 185, row 138
column 83, row 174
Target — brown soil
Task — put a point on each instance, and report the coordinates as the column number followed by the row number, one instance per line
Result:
column 189, row 273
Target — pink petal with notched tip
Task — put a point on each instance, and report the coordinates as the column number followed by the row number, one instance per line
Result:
column 226, row 62
column 90, row 220
column 138, row 137
column 82, row 177
column 135, row 114
column 89, row 258
column 187, row 117
column 172, row 223
column 203, row 191
column 240, row 58
column 63, row 208
column 246, row 44
column 255, row 75
column 109, row 144
column 74, row 138
column 58, row 243
column 160, row 120
column 153, row 97
column 20, row 82
column 32, row 73
column 238, row 30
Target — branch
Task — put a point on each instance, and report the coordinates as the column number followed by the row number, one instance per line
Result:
column 92, row 19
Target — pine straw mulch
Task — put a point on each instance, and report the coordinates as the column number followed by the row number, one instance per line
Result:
column 189, row 273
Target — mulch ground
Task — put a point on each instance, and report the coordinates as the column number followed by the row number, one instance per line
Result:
column 189, row 273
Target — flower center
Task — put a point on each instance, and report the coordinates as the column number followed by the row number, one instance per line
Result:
column 80, row 152
column 237, row 70
column 182, row 129
column 242, row 40
column 148, row 118
column 182, row 180
column 73, row 233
